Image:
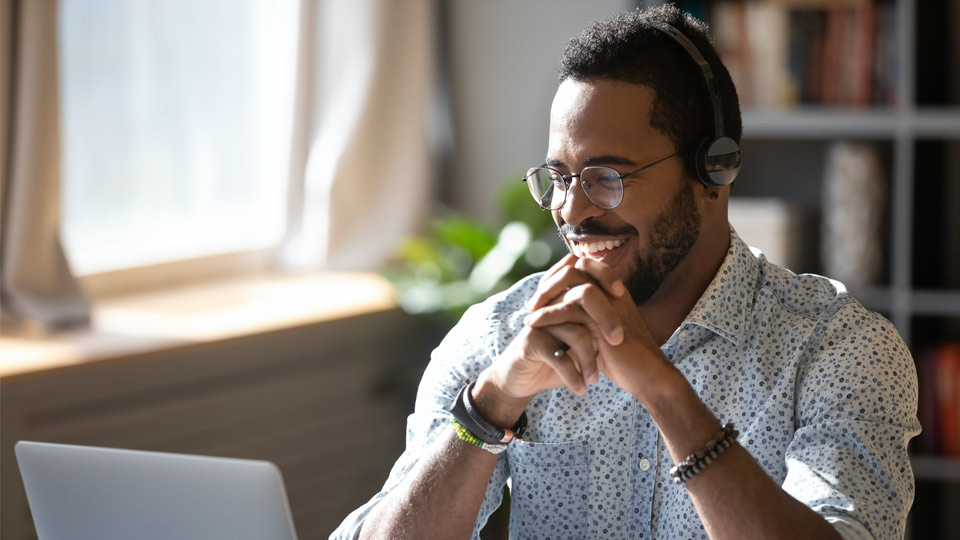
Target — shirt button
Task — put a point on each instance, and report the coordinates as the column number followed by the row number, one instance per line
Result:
column 644, row 464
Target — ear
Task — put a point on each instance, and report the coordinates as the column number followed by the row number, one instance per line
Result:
column 713, row 194
column 713, row 200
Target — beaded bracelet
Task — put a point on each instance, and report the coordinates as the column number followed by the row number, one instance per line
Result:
column 696, row 461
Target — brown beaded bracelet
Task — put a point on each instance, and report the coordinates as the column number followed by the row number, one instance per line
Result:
column 697, row 461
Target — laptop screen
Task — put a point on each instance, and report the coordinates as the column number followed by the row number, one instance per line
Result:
column 83, row 492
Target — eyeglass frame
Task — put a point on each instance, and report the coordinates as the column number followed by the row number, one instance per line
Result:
column 568, row 180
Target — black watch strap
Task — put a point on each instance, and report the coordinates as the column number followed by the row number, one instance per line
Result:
column 468, row 417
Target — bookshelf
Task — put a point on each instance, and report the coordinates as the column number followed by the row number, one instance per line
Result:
column 914, row 123
column 821, row 122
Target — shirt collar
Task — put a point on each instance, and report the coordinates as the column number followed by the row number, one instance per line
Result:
column 724, row 305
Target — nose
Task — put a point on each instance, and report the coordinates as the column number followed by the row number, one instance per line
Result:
column 577, row 207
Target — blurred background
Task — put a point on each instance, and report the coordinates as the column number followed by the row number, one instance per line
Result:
column 238, row 227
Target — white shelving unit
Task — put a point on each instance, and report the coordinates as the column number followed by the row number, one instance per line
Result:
column 808, row 130
column 901, row 126
column 898, row 127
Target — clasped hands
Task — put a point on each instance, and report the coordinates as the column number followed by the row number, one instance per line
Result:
column 582, row 321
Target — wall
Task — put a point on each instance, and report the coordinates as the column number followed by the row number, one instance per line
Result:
column 503, row 58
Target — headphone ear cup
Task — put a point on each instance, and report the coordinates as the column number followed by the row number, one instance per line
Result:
column 699, row 157
column 693, row 159
column 717, row 161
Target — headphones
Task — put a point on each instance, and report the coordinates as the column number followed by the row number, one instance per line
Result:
column 717, row 157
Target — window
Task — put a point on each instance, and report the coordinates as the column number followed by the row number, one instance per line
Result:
column 176, row 121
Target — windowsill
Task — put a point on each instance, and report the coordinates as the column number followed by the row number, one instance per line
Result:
column 143, row 323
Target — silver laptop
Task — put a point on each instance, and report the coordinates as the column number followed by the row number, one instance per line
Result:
column 83, row 492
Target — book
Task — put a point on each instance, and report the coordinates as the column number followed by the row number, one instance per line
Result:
column 948, row 398
column 793, row 52
column 774, row 226
column 938, row 372
column 928, row 441
column 855, row 189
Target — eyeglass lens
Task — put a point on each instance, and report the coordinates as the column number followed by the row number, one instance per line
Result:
column 602, row 186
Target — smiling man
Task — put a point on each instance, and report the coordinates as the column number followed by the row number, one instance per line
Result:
column 662, row 380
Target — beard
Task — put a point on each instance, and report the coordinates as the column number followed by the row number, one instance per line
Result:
column 671, row 238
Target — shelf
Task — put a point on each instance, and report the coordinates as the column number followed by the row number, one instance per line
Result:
column 920, row 301
column 935, row 302
column 810, row 122
column 936, row 122
column 874, row 298
column 936, row 468
column 820, row 122
column 923, row 302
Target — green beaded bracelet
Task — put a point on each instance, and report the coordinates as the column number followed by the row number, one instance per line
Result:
column 465, row 435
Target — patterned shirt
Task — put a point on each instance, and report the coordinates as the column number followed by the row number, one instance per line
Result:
column 823, row 392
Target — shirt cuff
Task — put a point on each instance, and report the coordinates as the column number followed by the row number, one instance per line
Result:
column 849, row 528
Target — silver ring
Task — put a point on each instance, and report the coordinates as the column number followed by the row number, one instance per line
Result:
column 560, row 351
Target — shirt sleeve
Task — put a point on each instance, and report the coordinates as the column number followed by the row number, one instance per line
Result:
column 461, row 356
column 857, row 409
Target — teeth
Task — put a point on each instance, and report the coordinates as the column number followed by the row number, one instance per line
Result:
column 585, row 248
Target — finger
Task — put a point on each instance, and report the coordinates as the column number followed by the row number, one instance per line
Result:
column 567, row 260
column 575, row 272
column 582, row 349
column 598, row 307
column 553, row 286
column 558, row 313
column 544, row 346
column 585, row 305
column 604, row 275
column 549, row 277
column 560, row 360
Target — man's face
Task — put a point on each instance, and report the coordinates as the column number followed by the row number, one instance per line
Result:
column 602, row 122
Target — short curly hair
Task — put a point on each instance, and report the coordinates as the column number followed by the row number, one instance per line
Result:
column 627, row 47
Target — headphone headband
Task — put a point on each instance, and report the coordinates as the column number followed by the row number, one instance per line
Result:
column 712, row 89
column 717, row 159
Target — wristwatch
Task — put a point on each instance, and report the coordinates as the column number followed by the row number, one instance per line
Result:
column 468, row 417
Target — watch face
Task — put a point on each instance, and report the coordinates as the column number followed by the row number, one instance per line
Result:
column 494, row 448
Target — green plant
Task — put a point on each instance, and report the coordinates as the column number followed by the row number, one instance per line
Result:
column 461, row 261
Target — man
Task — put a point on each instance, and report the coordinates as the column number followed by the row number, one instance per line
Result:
column 626, row 358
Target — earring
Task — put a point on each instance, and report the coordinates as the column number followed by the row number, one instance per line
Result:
column 714, row 195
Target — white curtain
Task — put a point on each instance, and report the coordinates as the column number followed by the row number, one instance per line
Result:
column 36, row 285
column 361, row 174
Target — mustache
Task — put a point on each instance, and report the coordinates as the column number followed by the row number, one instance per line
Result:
column 591, row 228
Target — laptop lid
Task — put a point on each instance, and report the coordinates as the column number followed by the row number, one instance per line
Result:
column 83, row 492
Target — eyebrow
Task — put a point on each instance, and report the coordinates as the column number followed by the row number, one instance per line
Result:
column 594, row 160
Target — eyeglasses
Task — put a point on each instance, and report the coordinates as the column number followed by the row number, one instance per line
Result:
column 602, row 185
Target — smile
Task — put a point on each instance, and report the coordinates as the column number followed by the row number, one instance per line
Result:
column 595, row 250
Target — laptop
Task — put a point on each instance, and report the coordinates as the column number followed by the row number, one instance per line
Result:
column 83, row 492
